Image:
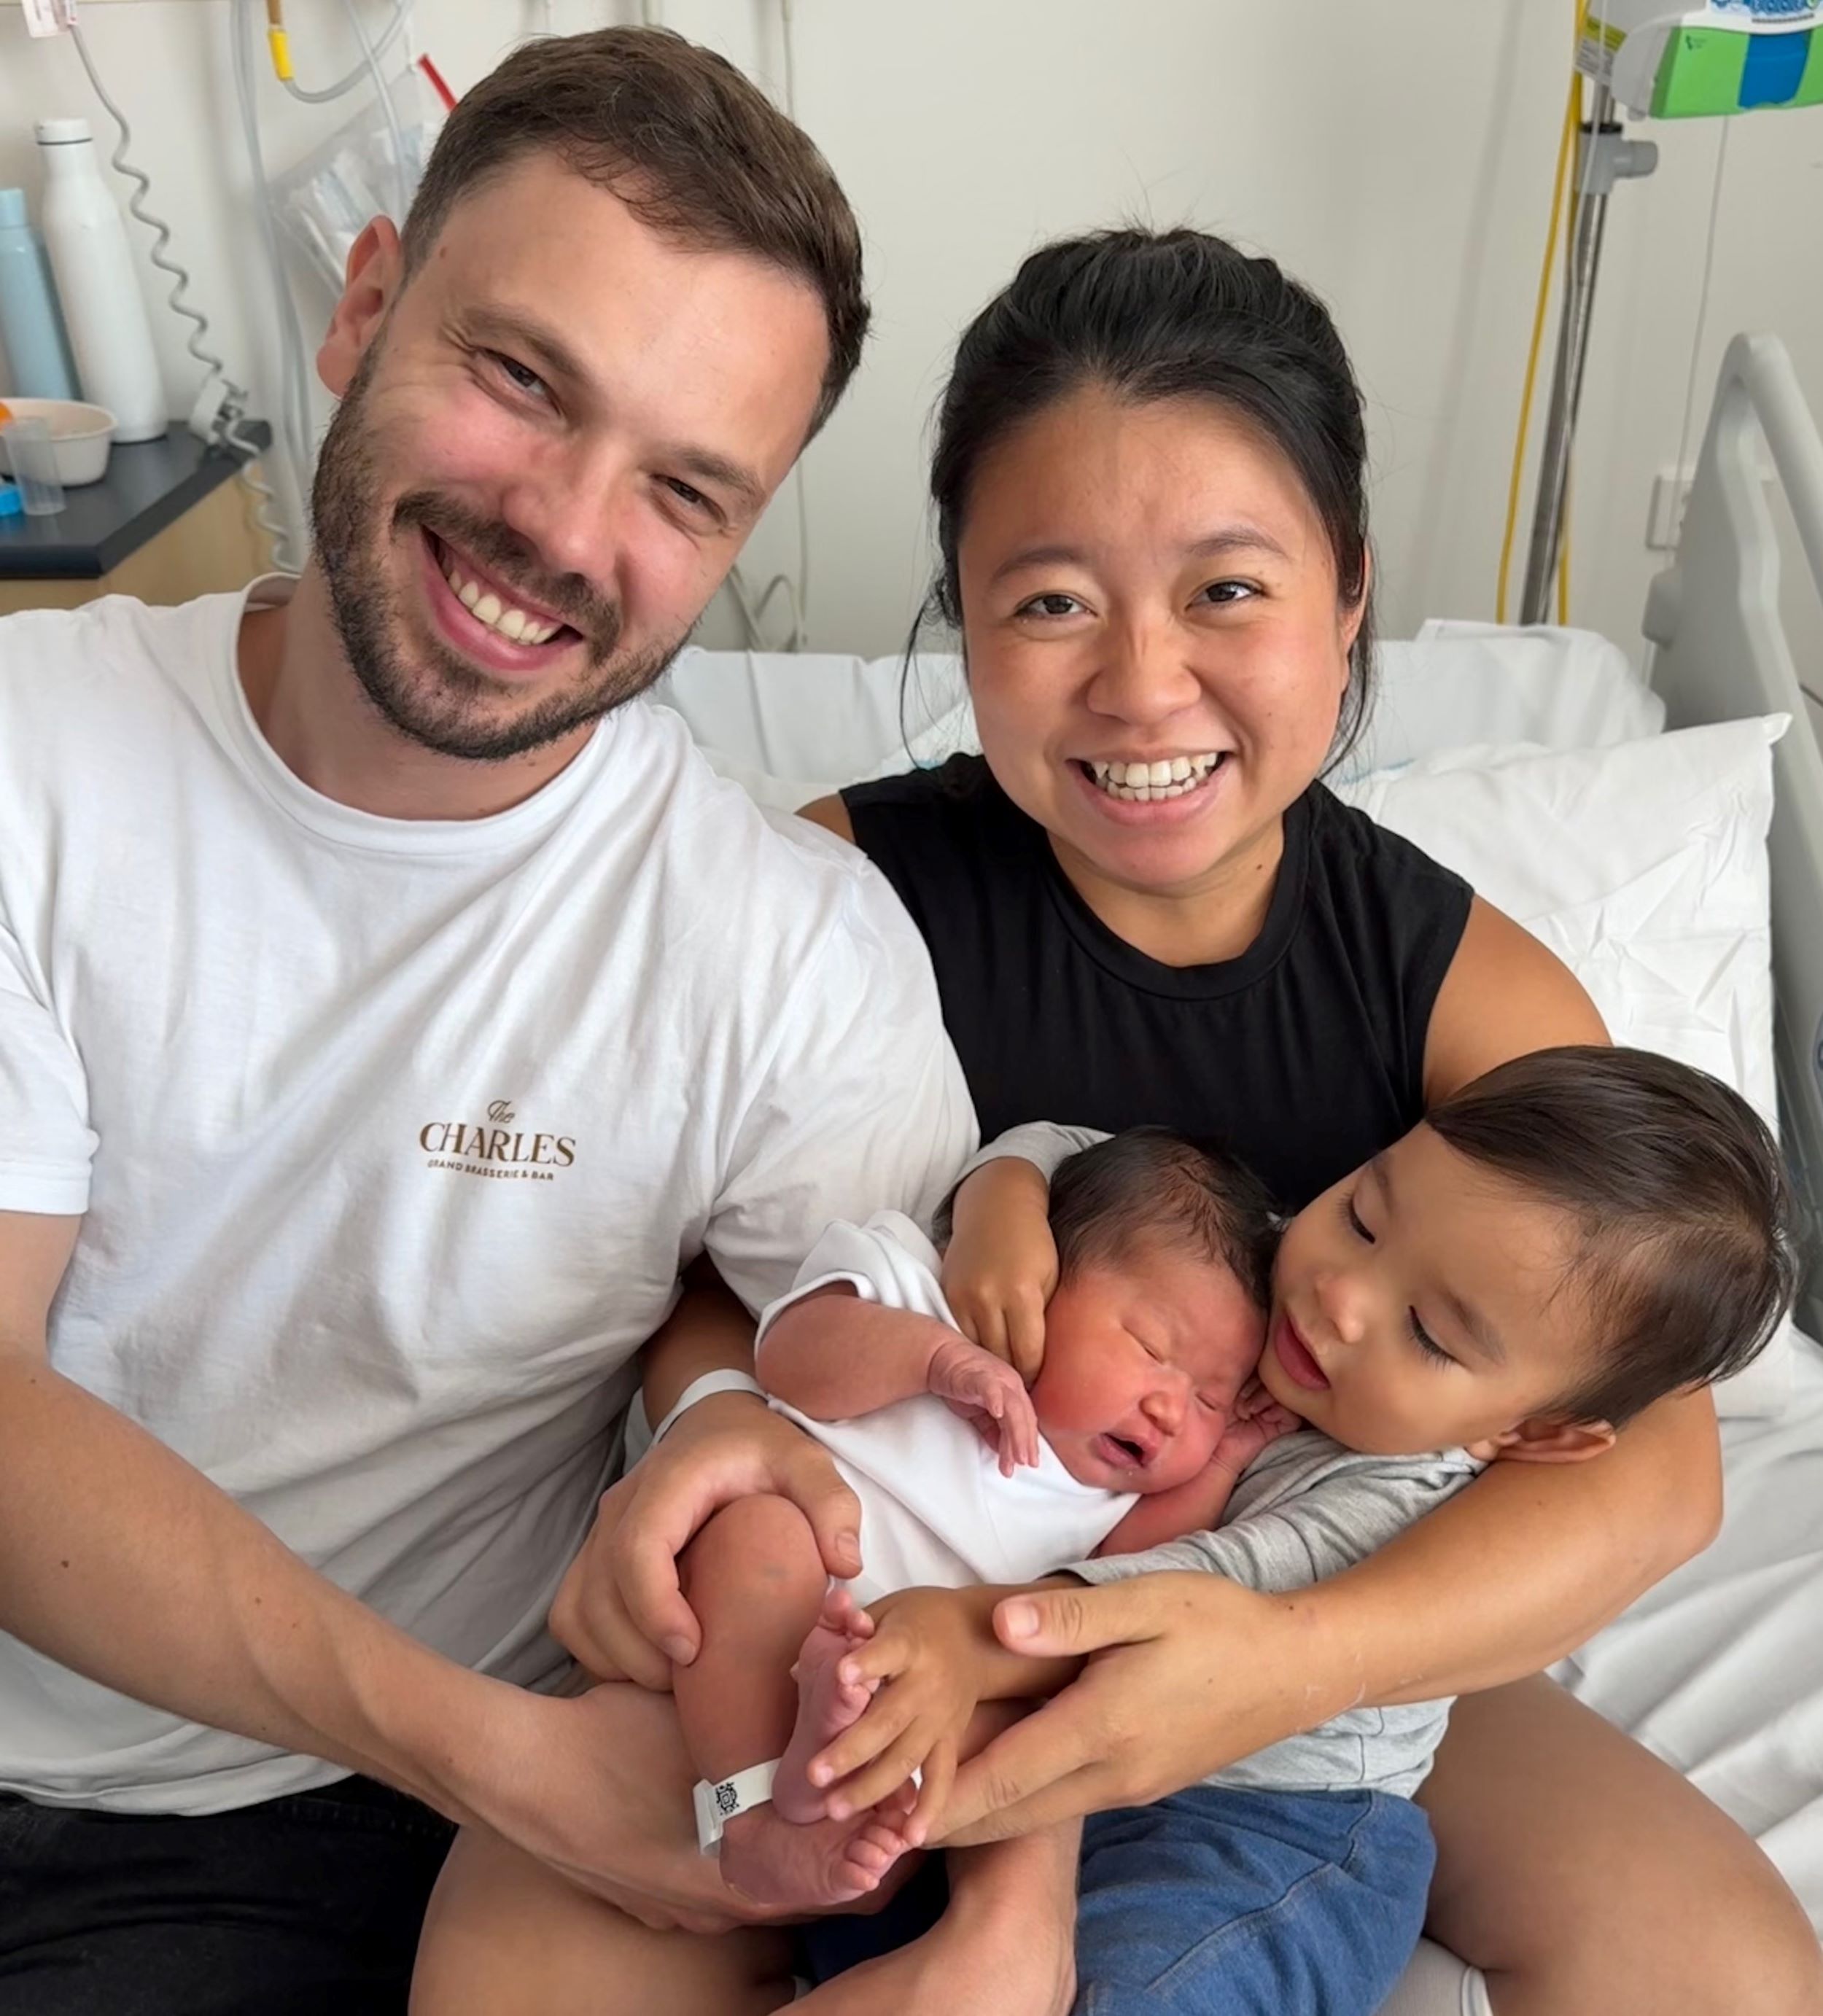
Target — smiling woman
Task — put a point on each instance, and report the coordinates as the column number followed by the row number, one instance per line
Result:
column 1150, row 481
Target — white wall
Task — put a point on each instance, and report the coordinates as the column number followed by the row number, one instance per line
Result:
column 1394, row 153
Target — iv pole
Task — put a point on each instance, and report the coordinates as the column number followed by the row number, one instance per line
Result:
column 1603, row 158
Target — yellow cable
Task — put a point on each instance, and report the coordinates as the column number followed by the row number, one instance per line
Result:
column 1563, row 529
column 1565, row 153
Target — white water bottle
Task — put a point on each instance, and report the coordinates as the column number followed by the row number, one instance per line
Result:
column 103, row 309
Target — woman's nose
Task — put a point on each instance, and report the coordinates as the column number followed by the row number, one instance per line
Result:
column 1143, row 676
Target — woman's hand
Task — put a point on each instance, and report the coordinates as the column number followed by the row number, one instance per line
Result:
column 1186, row 1673
column 619, row 1612
column 1000, row 1267
column 990, row 1396
column 924, row 1659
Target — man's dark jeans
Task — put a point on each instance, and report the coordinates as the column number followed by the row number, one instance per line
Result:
column 308, row 1905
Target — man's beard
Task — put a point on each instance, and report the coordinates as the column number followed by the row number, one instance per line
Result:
column 445, row 706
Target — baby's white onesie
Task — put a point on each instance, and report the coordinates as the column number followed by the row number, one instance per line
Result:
column 935, row 1511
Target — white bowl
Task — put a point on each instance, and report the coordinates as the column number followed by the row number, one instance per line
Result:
column 82, row 436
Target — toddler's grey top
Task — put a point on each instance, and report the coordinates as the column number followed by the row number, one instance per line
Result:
column 1304, row 1510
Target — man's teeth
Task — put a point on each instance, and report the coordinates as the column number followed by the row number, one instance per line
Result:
column 487, row 608
column 1138, row 783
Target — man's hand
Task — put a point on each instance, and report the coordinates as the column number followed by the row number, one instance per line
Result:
column 991, row 1397
column 619, row 1612
column 598, row 1788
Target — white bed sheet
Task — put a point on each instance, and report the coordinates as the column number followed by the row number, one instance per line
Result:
column 1718, row 1670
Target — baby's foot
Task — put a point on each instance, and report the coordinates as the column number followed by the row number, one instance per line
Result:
column 768, row 1858
column 826, row 1704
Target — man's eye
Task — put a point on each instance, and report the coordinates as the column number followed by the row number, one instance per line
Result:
column 688, row 494
column 520, row 375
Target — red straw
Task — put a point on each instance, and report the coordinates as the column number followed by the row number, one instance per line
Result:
column 437, row 84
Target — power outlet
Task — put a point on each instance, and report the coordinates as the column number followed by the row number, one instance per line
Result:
column 1665, row 521
column 1671, row 500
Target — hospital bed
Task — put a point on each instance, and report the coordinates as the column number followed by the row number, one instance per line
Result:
column 1673, row 852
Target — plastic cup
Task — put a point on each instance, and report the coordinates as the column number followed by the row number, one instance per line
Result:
column 31, row 455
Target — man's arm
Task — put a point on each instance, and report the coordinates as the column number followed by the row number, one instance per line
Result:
column 122, row 1561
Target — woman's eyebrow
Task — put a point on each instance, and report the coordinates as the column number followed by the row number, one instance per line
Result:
column 1238, row 538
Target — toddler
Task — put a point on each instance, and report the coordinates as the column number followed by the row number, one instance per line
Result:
column 1569, row 1238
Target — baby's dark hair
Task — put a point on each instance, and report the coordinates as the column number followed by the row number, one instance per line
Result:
column 1688, row 1258
column 1148, row 1186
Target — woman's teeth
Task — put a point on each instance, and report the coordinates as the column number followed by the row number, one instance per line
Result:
column 487, row 608
column 1138, row 783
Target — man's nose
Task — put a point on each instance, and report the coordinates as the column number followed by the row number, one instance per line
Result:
column 576, row 514
column 1144, row 678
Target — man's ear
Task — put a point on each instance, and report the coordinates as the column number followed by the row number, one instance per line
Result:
column 376, row 274
column 1544, row 1440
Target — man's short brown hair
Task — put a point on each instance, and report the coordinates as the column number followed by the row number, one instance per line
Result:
column 696, row 151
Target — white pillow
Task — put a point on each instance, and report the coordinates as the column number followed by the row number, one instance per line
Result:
column 1458, row 685
column 1643, row 866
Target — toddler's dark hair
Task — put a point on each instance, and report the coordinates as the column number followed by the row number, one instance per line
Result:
column 1689, row 1254
column 1149, row 1186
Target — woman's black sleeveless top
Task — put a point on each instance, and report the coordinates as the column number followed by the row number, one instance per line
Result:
column 1305, row 1056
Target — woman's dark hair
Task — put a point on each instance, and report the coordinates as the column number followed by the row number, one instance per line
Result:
column 1166, row 314
column 1149, row 1186
column 1689, row 1253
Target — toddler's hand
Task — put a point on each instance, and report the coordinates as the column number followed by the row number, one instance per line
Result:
column 990, row 1396
column 1000, row 1267
column 922, row 1660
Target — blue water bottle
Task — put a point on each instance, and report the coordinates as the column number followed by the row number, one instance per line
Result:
column 31, row 328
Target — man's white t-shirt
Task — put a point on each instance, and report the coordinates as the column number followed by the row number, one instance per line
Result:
column 390, row 1137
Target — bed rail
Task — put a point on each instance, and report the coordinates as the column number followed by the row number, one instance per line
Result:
column 1721, row 653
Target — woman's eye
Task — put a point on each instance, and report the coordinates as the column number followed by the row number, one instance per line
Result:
column 1222, row 592
column 1354, row 1220
column 1426, row 1342
column 1053, row 601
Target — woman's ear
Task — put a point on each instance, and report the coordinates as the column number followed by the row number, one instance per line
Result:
column 1355, row 614
column 1544, row 1440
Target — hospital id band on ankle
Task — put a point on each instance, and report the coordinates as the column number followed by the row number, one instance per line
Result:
column 704, row 1388
column 725, row 1799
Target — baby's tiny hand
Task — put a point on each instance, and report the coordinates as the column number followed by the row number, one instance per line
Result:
column 1258, row 1422
column 990, row 1396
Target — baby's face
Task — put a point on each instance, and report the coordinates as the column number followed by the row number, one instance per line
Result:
column 1143, row 1358
column 1423, row 1303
